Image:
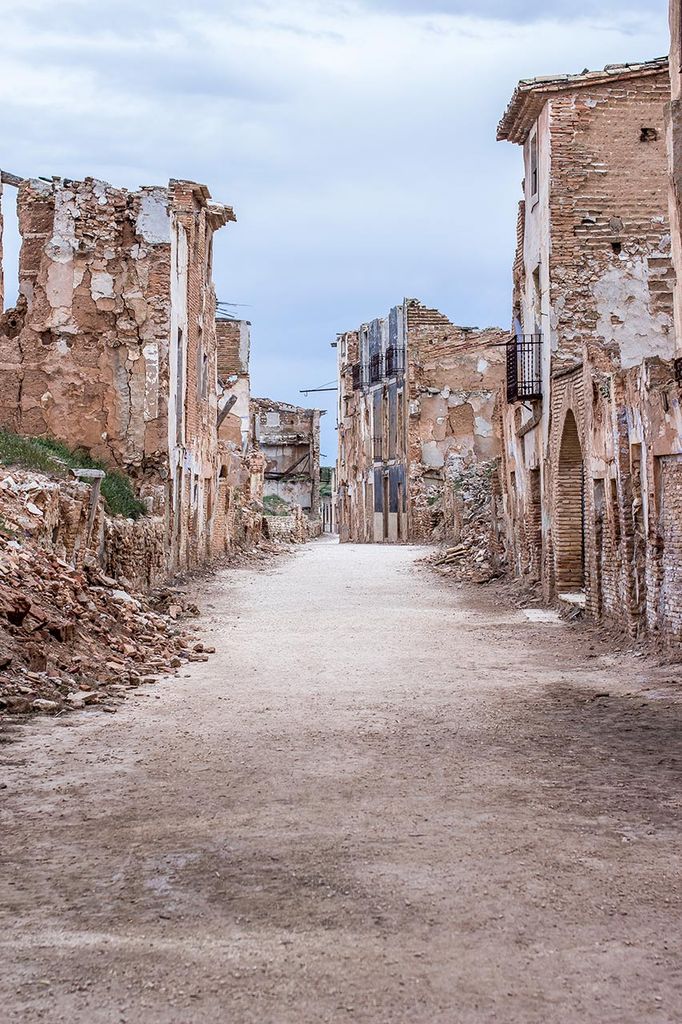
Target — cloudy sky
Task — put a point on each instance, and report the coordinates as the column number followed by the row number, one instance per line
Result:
column 355, row 139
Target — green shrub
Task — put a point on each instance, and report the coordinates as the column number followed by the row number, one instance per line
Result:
column 46, row 455
column 273, row 505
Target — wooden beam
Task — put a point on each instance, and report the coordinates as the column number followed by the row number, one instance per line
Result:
column 226, row 408
column 10, row 179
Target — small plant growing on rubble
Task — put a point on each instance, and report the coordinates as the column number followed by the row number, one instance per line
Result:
column 5, row 529
column 53, row 457
column 273, row 505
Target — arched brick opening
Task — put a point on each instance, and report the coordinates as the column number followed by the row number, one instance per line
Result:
column 569, row 511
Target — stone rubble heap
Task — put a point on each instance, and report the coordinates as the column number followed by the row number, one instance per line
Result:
column 70, row 635
column 466, row 517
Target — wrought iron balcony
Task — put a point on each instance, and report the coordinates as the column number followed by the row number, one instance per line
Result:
column 524, row 367
column 359, row 376
column 394, row 360
column 376, row 368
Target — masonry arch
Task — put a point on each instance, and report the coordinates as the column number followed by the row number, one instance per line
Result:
column 569, row 523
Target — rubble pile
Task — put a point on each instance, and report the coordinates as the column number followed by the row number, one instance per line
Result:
column 466, row 516
column 287, row 522
column 72, row 636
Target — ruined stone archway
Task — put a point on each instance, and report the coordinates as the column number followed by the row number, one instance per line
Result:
column 569, row 532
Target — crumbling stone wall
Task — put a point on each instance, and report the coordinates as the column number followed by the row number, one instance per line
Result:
column 56, row 514
column 295, row 528
column 134, row 551
column 454, row 375
column 239, row 504
column 113, row 347
column 80, row 353
column 417, row 411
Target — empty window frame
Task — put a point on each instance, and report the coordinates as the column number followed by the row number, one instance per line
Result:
column 533, row 173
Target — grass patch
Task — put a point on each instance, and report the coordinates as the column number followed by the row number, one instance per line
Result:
column 48, row 456
column 273, row 505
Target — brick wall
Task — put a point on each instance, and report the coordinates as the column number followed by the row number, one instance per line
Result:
column 609, row 216
column 610, row 413
column 454, row 376
column 113, row 346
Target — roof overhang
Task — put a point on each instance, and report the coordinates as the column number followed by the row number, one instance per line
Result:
column 531, row 94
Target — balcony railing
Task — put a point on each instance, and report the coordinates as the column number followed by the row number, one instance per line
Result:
column 524, row 367
column 376, row 368
column 359, row 376
column 394, row 361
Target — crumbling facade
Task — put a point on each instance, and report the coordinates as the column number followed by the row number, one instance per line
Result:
column 417, row 423
column 113, row 345
column 289, row 439
column 591, row 421
column 239, row 509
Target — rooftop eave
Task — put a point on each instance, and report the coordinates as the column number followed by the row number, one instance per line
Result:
column 531, row 94
column 219, row 215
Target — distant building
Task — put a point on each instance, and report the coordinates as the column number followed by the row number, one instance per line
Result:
column 328, row 498
column 289, row 439
column 417, row 414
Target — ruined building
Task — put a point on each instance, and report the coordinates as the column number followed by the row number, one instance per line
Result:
column 417, row 422
column 242, row 467
column 289, row 439
column 591, row 470
column 112, row 345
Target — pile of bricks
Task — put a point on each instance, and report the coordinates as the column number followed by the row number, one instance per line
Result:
column 70, row 634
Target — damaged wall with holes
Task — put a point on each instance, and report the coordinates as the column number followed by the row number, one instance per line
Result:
column 418, row 400
column 454, row 376
column 112, row 345
column 239, row 508
column 591, row 420
column 289, row 440
column 674, row 147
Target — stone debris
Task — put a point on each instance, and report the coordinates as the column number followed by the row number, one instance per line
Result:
column 71, row 636
column 467, row 512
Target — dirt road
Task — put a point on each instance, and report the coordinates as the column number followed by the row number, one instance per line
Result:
column 385, row 799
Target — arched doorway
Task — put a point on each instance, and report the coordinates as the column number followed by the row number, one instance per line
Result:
column 569, row 528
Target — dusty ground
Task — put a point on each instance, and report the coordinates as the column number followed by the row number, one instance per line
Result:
column 385, row 799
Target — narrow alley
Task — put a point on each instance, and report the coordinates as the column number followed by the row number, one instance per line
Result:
column 384, row 799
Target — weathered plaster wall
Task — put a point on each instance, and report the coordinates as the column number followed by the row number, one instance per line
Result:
column 289, row 439
column 113, row 347
column 417, row 408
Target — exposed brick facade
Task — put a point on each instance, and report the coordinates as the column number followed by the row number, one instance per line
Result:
column 417, row 414
column 112, row 345
column 587, row 455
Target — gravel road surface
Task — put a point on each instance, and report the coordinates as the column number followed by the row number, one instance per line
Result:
column 385, row 799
